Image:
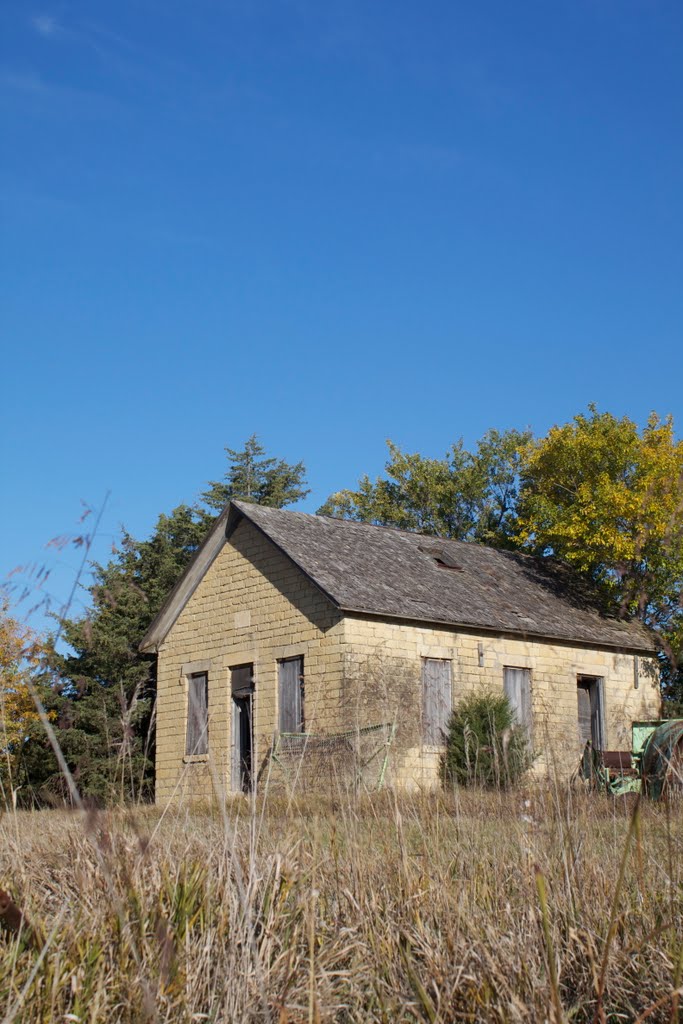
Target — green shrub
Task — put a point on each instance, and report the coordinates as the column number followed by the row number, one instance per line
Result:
column 484, row 744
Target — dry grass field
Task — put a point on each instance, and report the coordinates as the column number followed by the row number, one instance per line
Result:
column 534, row 906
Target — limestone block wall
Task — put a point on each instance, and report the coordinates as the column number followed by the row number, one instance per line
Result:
column 252, row 606
column 382, row 678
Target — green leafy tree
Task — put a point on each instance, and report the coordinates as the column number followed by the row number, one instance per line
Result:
column 252, row 476
column 465, row 495
column 608, row 498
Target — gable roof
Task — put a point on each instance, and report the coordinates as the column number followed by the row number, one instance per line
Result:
column 389, row 573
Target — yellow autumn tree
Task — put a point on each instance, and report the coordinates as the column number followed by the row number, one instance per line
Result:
column 21, row 652
column 607, row 497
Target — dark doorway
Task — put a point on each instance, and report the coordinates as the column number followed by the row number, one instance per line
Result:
column 589, row 693
column 242, row 685
column 242, row 712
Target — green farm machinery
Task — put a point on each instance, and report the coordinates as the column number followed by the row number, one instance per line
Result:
column 653, row 766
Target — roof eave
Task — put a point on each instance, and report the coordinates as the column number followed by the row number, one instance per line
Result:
column 470, row 627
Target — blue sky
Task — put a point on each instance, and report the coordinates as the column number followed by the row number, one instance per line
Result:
column 327, row 223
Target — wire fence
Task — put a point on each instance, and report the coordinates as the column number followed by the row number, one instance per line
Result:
column 357, row 759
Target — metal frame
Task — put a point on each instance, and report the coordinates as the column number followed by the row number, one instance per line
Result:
column 276, row 755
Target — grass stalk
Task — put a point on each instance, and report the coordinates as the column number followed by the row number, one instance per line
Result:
column 600, row 1017
column 547, row 935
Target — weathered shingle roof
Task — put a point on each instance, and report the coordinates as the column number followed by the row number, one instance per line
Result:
column 397, row 574
column 391, row 573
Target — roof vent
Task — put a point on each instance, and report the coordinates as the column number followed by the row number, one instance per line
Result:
column 443, row 558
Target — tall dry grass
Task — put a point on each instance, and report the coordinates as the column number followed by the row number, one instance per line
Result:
column 548, row 905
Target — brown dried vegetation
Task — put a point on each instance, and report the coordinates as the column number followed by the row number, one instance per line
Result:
column 475, row 906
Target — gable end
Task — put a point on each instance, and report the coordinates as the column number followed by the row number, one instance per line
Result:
column 201, row 562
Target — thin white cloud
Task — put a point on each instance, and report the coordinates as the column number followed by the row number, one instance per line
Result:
column 21, row 81
column 126, row 58
column 45, row 25
column 37, row 94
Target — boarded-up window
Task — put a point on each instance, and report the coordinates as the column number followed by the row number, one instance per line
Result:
column 197, row 736
column 589, row 692
column 291, row 693
column 242, row 680
column 436, row 700
column 517, row 686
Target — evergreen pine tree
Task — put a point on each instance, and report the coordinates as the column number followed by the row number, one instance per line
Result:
column 103, row 697
column 252, row 476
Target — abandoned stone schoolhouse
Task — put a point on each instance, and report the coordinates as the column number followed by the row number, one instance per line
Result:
column 287, row 624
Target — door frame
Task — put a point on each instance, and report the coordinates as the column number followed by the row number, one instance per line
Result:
column 596, row 693
column 242, row 700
